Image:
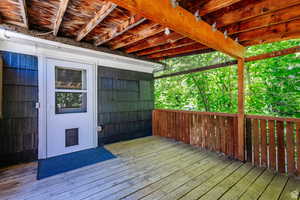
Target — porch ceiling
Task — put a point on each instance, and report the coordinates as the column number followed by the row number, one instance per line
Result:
column 103, row 23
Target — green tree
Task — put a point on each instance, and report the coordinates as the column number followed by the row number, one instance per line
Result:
column 272, row 85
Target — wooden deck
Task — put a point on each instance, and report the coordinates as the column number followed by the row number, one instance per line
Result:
column 152, row 168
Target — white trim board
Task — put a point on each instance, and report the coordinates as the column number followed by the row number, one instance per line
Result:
column 20, row 43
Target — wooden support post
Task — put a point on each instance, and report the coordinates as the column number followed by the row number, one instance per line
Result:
column 241, row 111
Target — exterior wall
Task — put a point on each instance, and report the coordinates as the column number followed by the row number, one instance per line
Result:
column 125, row 103
column 19, row 125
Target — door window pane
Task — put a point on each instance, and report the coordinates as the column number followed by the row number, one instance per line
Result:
column 70, row 79
column 70, row 102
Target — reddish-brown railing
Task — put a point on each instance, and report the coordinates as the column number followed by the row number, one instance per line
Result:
column 213, row 131
column 273, row 142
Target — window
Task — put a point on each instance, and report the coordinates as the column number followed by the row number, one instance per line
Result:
column 70, row 91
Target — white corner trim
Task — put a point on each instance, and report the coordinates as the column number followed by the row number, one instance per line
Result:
column 42, row 111
column 20, row 43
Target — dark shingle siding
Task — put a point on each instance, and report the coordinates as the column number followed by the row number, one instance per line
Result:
column 19, row 126
column 125, row 103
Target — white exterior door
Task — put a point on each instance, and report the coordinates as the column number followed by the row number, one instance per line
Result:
column 69, row 107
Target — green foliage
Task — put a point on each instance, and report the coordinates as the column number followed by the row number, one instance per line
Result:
column 272, row 85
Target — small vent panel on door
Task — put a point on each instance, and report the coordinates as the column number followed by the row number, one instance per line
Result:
column 72, row 137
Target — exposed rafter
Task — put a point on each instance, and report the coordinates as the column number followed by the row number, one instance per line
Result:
column 132, row 22
column 23, row 9
column 180, row 50
column 177, row 44
column 105, row 10
column 214, row 5
column 60, row 14
column 184, row 23
column 160, row 38
column 139, row 33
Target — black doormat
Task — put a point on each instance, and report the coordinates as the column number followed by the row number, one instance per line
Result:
column 59, row 164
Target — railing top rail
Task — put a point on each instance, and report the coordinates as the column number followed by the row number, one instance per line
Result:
column 288, row 119
column 199, row 112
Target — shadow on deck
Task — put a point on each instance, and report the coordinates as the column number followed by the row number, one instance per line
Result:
column 152, row 168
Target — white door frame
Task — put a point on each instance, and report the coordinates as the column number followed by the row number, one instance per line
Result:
column 42, row 85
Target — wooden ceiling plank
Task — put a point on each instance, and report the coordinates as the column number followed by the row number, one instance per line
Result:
column 180, row 50
column 60, row 14
column 23, row 9
column 126, row 26
column 136, row 35
column 214, row 5
column 184, row 23
column 105, row 10
column 154, row 41
column 164, row 47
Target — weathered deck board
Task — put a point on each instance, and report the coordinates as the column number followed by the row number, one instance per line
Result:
column 151, row 168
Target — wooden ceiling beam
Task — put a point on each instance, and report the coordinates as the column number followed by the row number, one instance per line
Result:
column 105, row 10
column 184, row 23
column 23, row 9
column 207, row 8
column 60, row 14
column 140, row 32
column 132, row 22
column 268, row 19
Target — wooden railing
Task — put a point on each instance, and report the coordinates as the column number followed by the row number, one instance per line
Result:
column 213, row 131
column 271, row 142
